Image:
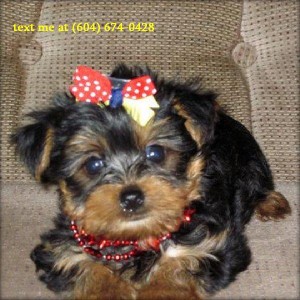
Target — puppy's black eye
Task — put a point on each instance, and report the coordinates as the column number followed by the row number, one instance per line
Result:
column 94, row 165
column 155, row 153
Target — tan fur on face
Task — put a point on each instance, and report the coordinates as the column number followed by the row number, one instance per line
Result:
column 102, row 214
column 45, row 159
column 69, row 208
column 164, row 205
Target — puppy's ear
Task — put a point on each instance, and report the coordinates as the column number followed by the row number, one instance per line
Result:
column 199, row 109
column 34, row 142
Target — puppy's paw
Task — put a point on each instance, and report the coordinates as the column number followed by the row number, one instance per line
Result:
column 98, row 282
column 275, row 207
column 161, row 292
column 107, row 291
column 123, row 291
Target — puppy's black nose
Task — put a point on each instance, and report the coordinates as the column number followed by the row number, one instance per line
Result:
column 131, row 199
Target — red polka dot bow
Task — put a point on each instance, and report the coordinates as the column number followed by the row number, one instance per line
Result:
column 94, row 87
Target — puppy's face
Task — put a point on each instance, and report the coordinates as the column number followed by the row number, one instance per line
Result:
column 116, row 178
column 122, row 180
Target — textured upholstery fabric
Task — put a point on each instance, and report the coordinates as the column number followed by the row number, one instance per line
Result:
column 27, row 209
column 270, row 27
column 12, row 80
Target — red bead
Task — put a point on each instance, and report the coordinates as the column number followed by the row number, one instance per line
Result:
column 102, row 244
column 117, row 243
column 187, row 218
column 131, row 253
column 125, row 256
column 74, row 227
column 107, row 243
column 76, row 235
column 117, row 257
column 127, row 242
column 108, row 257
column 122, row 242
column 136, row 243
column 81, row 243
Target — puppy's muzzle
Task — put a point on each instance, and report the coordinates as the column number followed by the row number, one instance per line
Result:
column 131, row 199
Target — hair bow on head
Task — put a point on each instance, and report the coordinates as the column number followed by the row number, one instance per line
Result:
column 136, row 95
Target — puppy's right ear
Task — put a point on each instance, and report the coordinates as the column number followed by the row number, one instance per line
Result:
column 34, row 142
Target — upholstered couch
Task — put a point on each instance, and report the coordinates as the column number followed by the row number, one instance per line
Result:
column 246, row 50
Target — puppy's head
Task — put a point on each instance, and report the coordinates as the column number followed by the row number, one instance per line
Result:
column 116, row 178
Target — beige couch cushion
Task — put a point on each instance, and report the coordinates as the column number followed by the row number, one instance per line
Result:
column 12, row 89
column 27, row 210
column 271, row 28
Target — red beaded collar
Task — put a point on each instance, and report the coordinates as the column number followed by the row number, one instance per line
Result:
column 117, row 250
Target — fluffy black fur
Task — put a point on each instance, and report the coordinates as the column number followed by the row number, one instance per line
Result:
column 235, row 179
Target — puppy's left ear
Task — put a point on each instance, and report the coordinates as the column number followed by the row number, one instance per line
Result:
column 199, row 109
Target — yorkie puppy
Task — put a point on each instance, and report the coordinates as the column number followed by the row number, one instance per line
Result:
column 156, row 186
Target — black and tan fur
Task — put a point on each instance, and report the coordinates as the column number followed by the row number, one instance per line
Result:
column 212, row 164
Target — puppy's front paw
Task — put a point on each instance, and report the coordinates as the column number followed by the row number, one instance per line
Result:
column 122, row 291
column 274, row 207
column 98, row 282
column 164, row 292
column 107, row 290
